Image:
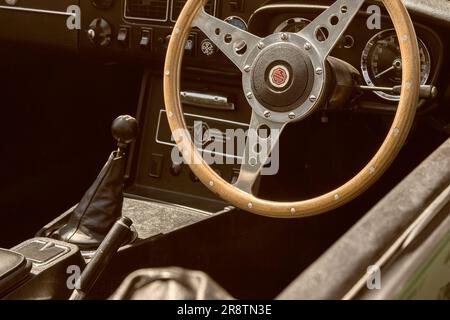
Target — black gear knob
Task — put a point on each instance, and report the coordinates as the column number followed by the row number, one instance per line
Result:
column 124, row 129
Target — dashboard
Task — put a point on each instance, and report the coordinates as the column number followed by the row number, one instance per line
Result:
column 138, row 31
column 141, row 29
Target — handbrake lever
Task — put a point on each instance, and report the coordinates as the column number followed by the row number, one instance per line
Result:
column 103, row 255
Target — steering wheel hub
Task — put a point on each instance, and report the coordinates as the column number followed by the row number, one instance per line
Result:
column 282, row 77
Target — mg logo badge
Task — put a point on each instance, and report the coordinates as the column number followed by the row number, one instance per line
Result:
column 279, row 76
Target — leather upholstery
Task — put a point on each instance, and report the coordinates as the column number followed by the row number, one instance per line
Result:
column 13, row 269
column 169, row 284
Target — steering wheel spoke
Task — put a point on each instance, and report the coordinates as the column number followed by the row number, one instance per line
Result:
column 235, row 43
column 261, row 147
column 325, row 31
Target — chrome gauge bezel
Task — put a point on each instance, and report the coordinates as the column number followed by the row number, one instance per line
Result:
column 424, row 74
column 230, row 18
column 285, row 23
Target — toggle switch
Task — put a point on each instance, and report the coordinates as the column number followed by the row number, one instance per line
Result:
column 145, row 43
column 123, row 36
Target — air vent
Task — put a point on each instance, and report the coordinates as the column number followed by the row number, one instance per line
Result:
column 152, row 10
column 177, row 6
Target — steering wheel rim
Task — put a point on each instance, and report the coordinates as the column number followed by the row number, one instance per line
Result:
column 242, row 197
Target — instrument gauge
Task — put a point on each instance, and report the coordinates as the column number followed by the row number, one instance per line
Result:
column 295, row 25
column 238, row 22
column 381, row 63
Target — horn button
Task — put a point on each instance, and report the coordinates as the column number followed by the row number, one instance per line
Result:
column 282, row 77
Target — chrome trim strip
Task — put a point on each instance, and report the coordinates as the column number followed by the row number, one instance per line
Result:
column 286, row 6
column 206, row 100
column 145, row 19
column 290, row 6
column 203, row 117
column 60, row 13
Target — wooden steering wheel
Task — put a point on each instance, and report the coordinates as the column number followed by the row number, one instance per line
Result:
column 269, row 62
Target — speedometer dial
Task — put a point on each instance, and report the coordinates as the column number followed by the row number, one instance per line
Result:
column 381, row 63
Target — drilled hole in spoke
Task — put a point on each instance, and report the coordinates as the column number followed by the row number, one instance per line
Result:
column 240, row 47
column 334, row 20
column 257, row 148
column 264, row 131
column 322, row 34
column 227, row 38
column 217, row 31
column 252, row 161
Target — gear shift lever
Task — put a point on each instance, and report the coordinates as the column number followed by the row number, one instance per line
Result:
column 124, row 129
column 101, row 205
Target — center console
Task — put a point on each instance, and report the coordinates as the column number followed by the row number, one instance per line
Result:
column 41, row 270
column 70, row 252
column 156, row 169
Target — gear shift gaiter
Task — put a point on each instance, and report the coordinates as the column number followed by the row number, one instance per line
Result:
column 101, row 205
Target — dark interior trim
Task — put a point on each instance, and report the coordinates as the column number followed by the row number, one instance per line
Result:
column 338, row 269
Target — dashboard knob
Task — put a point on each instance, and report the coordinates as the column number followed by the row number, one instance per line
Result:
column 99, row 32
column 208, row 48
column 91, row 34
